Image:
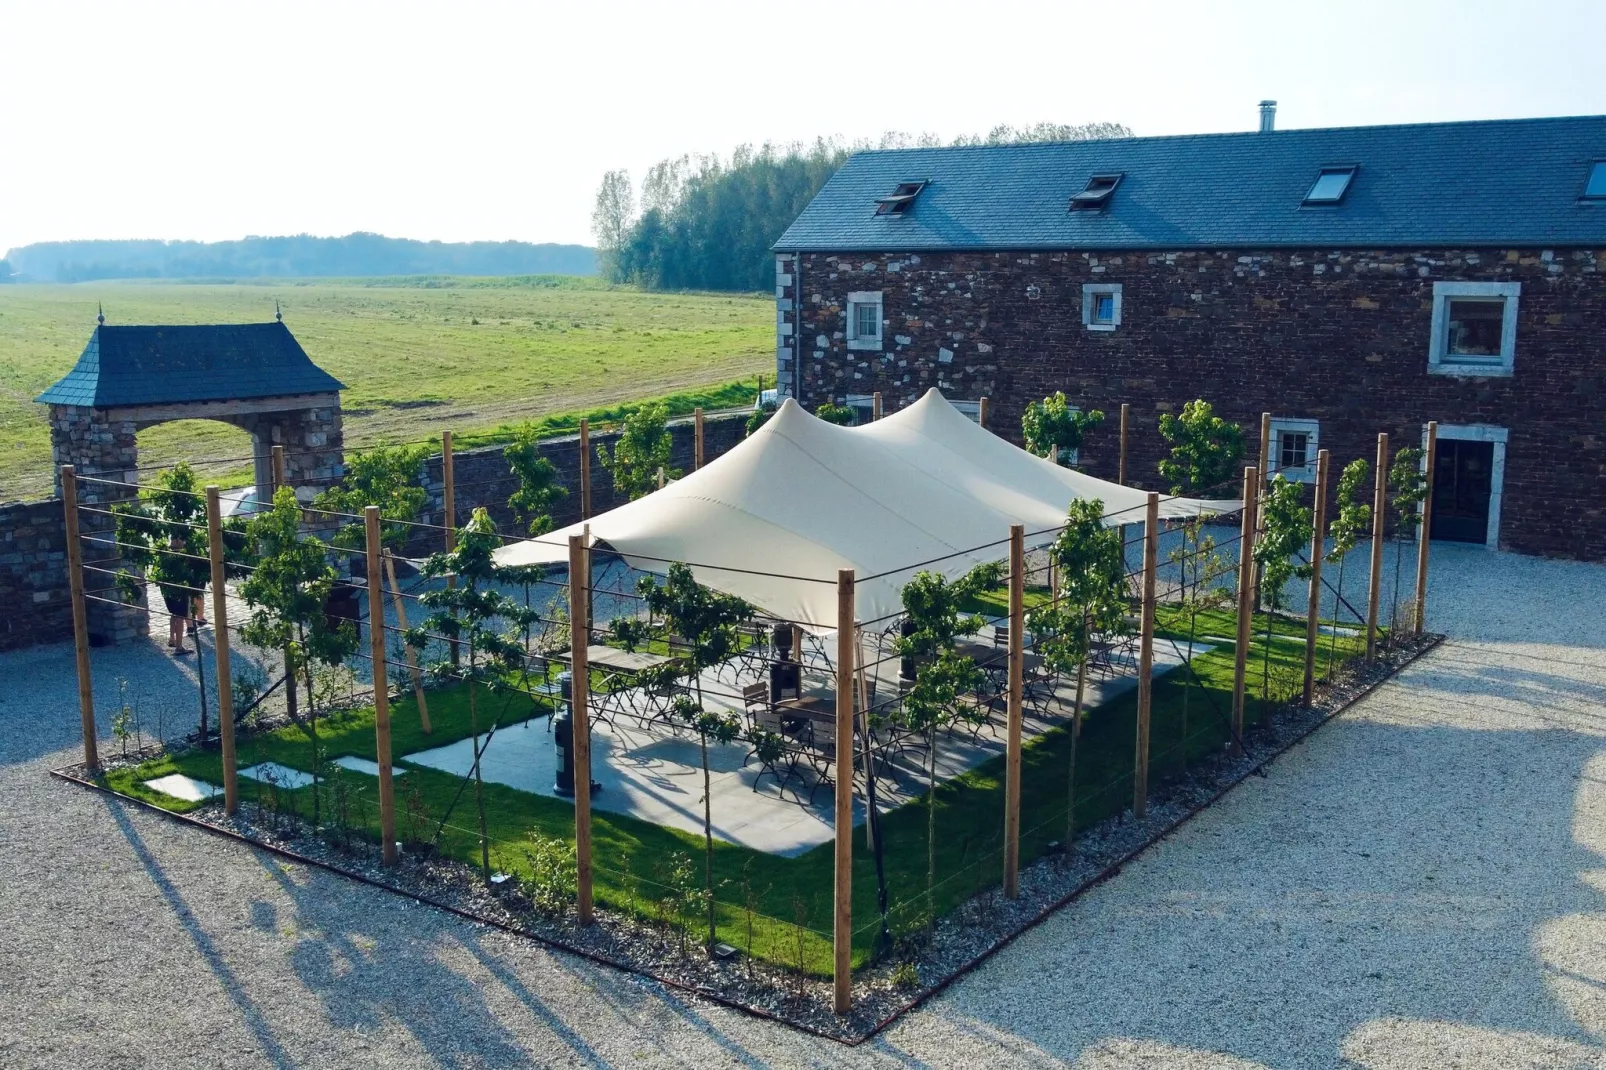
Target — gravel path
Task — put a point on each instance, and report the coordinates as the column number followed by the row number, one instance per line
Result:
column 1419, row 884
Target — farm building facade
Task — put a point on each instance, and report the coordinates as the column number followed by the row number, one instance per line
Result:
column 1349, row 281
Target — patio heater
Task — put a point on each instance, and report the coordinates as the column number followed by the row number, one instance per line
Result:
column 563, row 738
column 786, row 675
column 906, row 664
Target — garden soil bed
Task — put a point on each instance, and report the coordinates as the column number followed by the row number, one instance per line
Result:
column 961, row 940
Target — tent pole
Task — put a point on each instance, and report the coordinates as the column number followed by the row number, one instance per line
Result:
column 1318, row 543
column 842, row 930
column 1012, row 761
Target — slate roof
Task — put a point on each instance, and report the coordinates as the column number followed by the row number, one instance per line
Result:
column 153, row 365
column 1497, row 182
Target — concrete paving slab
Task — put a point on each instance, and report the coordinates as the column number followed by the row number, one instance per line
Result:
column 183, row 787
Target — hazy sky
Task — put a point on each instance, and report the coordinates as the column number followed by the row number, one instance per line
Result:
column 465, row 120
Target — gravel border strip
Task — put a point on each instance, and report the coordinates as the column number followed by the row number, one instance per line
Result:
column 967, row 937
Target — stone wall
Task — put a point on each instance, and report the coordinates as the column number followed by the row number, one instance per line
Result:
column 33, row 574
column 1337, row 336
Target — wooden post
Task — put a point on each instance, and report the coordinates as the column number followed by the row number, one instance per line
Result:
column 585, row 469
column 80, row 616
column 412, row 657
column 449, row 521
column 1380, row 501
column 1430, row 460
column 697, row 451
column 1017, row 650
column 279, row 468
column 842, row 929
column 376, row 634
column 1151, row 557
column 579, row 691
column 981, row 412
column 875, row 405
column 1126, row 411
column 660, row 477
column 1246, row 603
column 220, row 640
column 1318, row 545
column 1262, row 474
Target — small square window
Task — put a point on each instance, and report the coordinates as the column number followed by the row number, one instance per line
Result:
column 1295, row 448
column 1101, row 306
column 1097, row 194
column 863, row 406
column 1474, row 329
column 1293, row 452
column 1595, row 184
column 900, row 200
column 864, row 320
column 1331, row 184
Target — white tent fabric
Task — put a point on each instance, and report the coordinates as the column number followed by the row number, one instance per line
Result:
column 773, row 519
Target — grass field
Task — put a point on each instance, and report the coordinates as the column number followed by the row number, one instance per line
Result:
column 416, row 355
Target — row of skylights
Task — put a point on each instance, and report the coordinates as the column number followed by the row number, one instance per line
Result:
column 1332, row 183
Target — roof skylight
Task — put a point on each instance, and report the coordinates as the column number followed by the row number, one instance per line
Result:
column 900, row 199
column 1595, row 184
column 1331, row 184
column 1097, row 194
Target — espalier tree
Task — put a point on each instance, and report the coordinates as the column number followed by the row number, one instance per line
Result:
column 387, row 476
column 486, row 623
column 644, row 446
column 1091, row 601
column 539, row 489
column 1286, row 529
column 287, row 591
column 832, row 413
column 1205, row 452
column 1408, row 488
column 1055, row 430
column 709, row 622
column 1352, row 520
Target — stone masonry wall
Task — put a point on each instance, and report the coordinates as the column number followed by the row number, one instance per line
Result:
column 1337, row 336
column 33, row 574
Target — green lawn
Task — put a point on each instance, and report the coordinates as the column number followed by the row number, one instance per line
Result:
column 416, row 356
column 631, row 855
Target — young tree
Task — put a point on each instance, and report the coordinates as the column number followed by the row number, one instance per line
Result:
column 287, row 592
column 1408, row 488
column 709, row 621
column 832, row 413
column 387, row 476
column 1353, row 519
column 611, row 217
column 539, row 489
column 1205, row 453
column 486, row 622
column 1286, row 530
column 1055, row 430
column 761, row 416
column 644, row 447
column 1091, row 601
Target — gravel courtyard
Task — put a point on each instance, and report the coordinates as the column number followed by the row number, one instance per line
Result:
column 1422, row 883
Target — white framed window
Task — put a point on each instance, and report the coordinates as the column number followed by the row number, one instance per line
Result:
column 971, row 409
column 1474, row 328
column 1101, row 306
column 863, row 406
column 864, row 320
column 1293, row 449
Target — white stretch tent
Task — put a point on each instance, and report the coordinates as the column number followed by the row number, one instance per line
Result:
column 773, row 519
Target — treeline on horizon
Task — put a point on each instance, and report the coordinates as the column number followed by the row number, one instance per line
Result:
column 295, row 256
column 707, row 223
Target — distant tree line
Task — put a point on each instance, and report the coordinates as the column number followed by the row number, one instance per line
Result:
column 297, row 256
column 707, row 223
column 6, row 272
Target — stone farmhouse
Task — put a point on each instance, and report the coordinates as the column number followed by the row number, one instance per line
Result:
column 1349, row 281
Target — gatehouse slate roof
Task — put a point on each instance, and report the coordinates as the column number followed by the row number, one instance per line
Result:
column 1501, row 182
column 154, row 365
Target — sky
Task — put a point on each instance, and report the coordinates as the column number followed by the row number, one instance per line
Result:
column 463, row 120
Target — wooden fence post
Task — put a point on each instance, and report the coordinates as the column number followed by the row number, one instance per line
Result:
column 660, row 477
column 376, row 635
column 842, row 829
column 981, row 412
column 579, row 712
column 1318, row 545
column 1246, row 603
column 220, row 641
column 280, row 479
column 1126, row 411
column 1430, row 461
column 449, row 521
column 875, row 406
column 1151, row 557
column 412, row 657
column 585, row 469
column 697, row 450
column 1380, row 498
column 1262, row 475
column 1017, row 648
column 80, row 616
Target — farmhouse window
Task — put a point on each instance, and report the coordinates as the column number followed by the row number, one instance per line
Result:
column 1595, row 184
column 1474, row 328
column 863, row 406
column 1101, row 306
column 1294, row 448
column 1097, row 193
column 864, row 320
column 1331, row 184
column 900, row 200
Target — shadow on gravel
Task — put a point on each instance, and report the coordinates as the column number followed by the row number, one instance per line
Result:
column 250, row 1014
